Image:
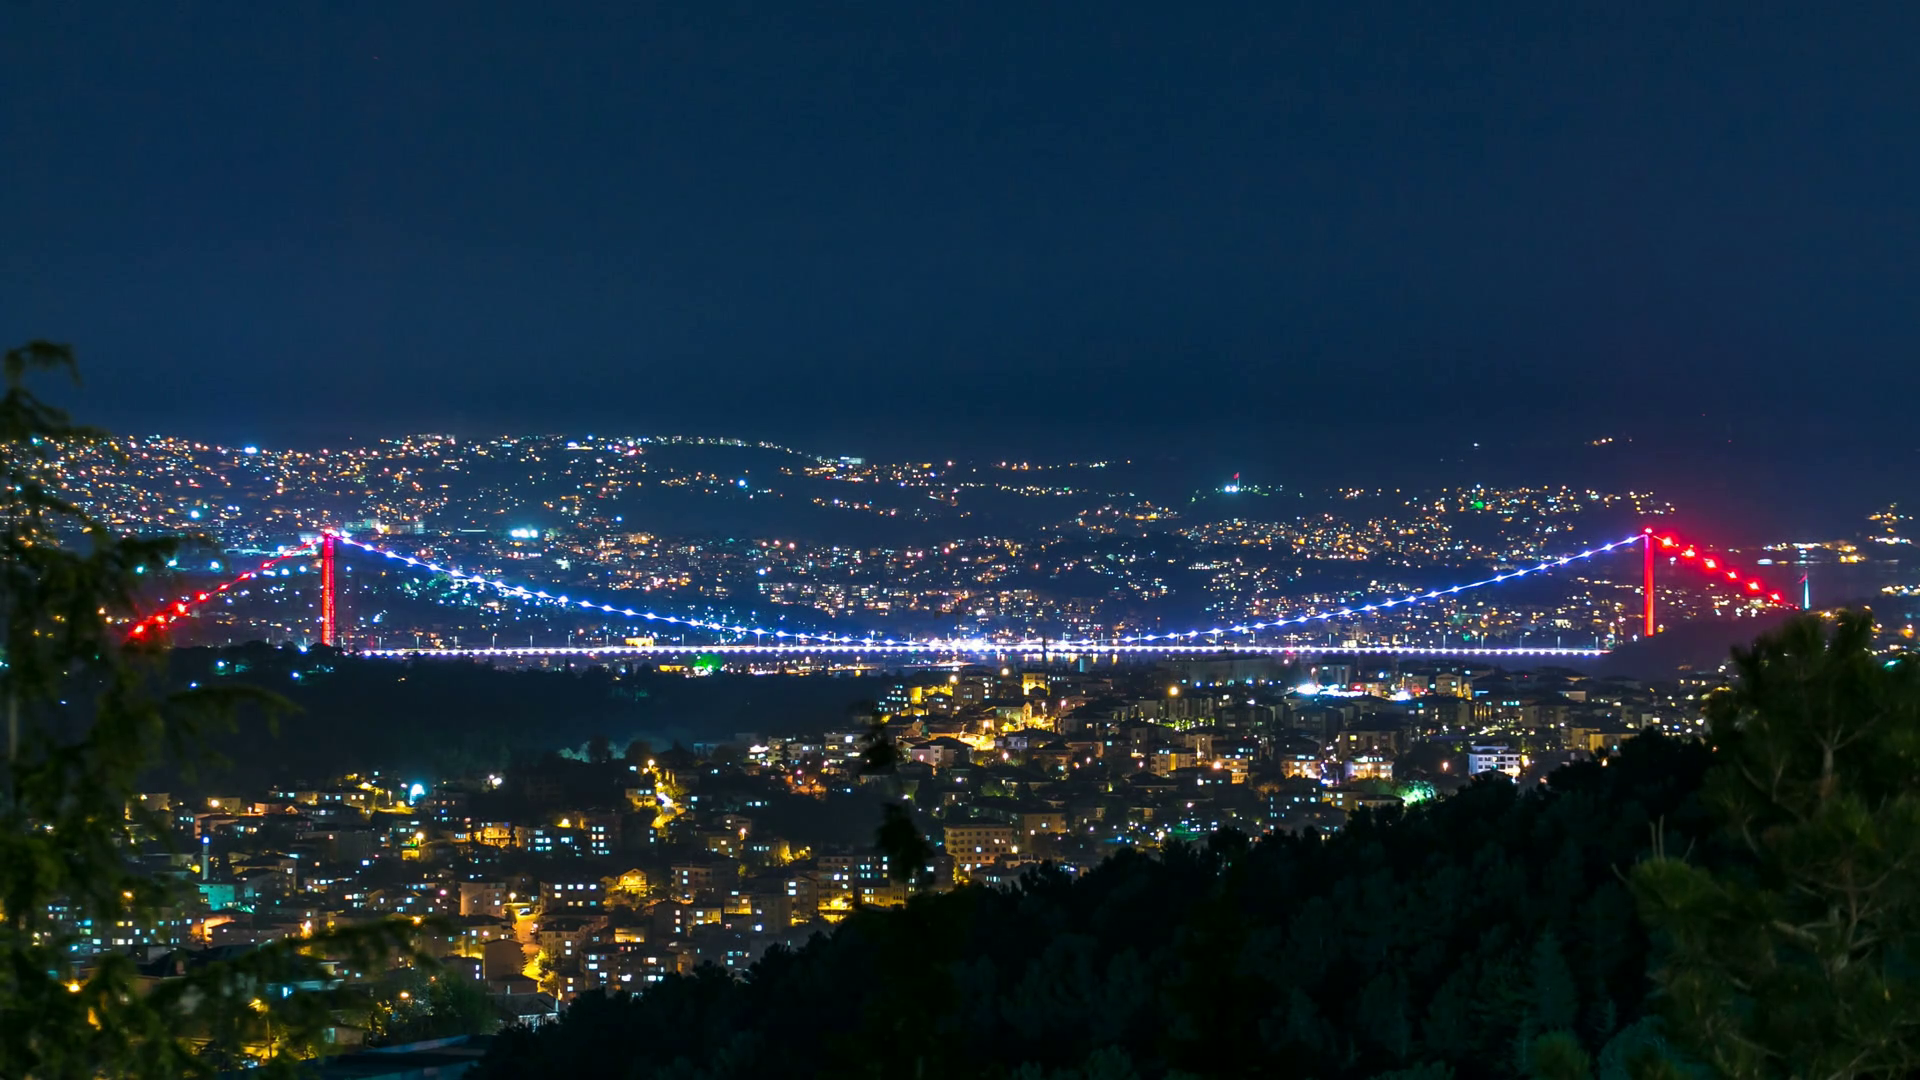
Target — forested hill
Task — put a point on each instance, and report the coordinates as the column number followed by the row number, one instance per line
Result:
column 1442, row 938
column 449, row 718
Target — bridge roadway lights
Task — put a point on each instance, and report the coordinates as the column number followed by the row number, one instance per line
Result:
column 991, row 648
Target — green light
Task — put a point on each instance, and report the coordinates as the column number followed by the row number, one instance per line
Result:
column 1479, row 504
column 1416, row 792
column 706, row 663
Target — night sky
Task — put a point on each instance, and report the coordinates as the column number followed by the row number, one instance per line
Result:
column 1318, row 240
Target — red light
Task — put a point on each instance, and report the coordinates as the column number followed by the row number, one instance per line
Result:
column 181, row 607
column 1733, row 575
column 1648, row 530
column 1666, row 541
column 1753, row 586
column 1688, row 554
column 1775, row 598
column 1711, row 565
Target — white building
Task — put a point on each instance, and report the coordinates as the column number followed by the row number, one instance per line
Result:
column 1494, row 758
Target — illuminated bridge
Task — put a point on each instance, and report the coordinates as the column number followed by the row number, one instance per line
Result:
column 981, row 646
column 734, row 639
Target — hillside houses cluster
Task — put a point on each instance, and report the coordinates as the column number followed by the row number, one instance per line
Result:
column 612, row 867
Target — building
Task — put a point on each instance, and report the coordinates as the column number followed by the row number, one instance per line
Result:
column 629, row 887
column 1373, row 738
column 943, row 752
column 1038, row 822
column 1369, row 767
column 562, row 937
column 483, row 898
column 552, row 840
column 692, row 879
column 601, row 831
column 1493, row 757
column 975, row 844
column 1300, row 766
column 572, row 895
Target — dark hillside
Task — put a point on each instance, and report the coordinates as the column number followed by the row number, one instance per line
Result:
column 1449, row 934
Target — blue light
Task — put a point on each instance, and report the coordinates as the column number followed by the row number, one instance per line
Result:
column 1138, row 640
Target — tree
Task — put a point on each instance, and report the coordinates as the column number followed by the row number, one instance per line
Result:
column 1555, row 1001
column 1794, row 956
column 880, row 753
column 599, row 749
column 415, row 1005
column 898, row 839
column 639, row 753
column 1407, row 940
column 69, row 825
column 908, row 853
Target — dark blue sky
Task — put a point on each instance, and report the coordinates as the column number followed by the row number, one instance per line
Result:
column 1281, row 231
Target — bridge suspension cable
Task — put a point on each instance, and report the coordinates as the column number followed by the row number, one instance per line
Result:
column 1713, row 566
column 179, row 608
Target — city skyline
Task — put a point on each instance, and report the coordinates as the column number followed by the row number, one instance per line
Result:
column 1748, row 511
column 620, row 550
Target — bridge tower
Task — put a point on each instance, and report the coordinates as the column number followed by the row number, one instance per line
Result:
column 1646, row 586
column 326, row 589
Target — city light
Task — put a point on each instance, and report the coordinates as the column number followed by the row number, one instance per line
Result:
column 870, row 642
column 779, row 639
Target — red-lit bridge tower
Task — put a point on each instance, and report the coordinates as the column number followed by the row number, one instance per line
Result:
column 1646, row 585
column 327, row 608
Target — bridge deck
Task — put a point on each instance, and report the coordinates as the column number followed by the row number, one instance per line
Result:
column 989, row 648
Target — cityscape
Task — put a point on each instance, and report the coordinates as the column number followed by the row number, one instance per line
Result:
column 1023, row 734
column 1079, row 558
column 959, row 543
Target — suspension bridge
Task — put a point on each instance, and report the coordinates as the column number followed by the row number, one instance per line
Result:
column 723, row 638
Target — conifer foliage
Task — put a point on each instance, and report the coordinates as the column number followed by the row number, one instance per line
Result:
column 1793, row 952
column 85, row 716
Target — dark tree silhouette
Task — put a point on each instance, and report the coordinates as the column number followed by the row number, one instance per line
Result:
column 639, row 752
column 1444, row 937
column 1794, row 955
column 599, row 749
column 909, row 856
column 68, row 812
